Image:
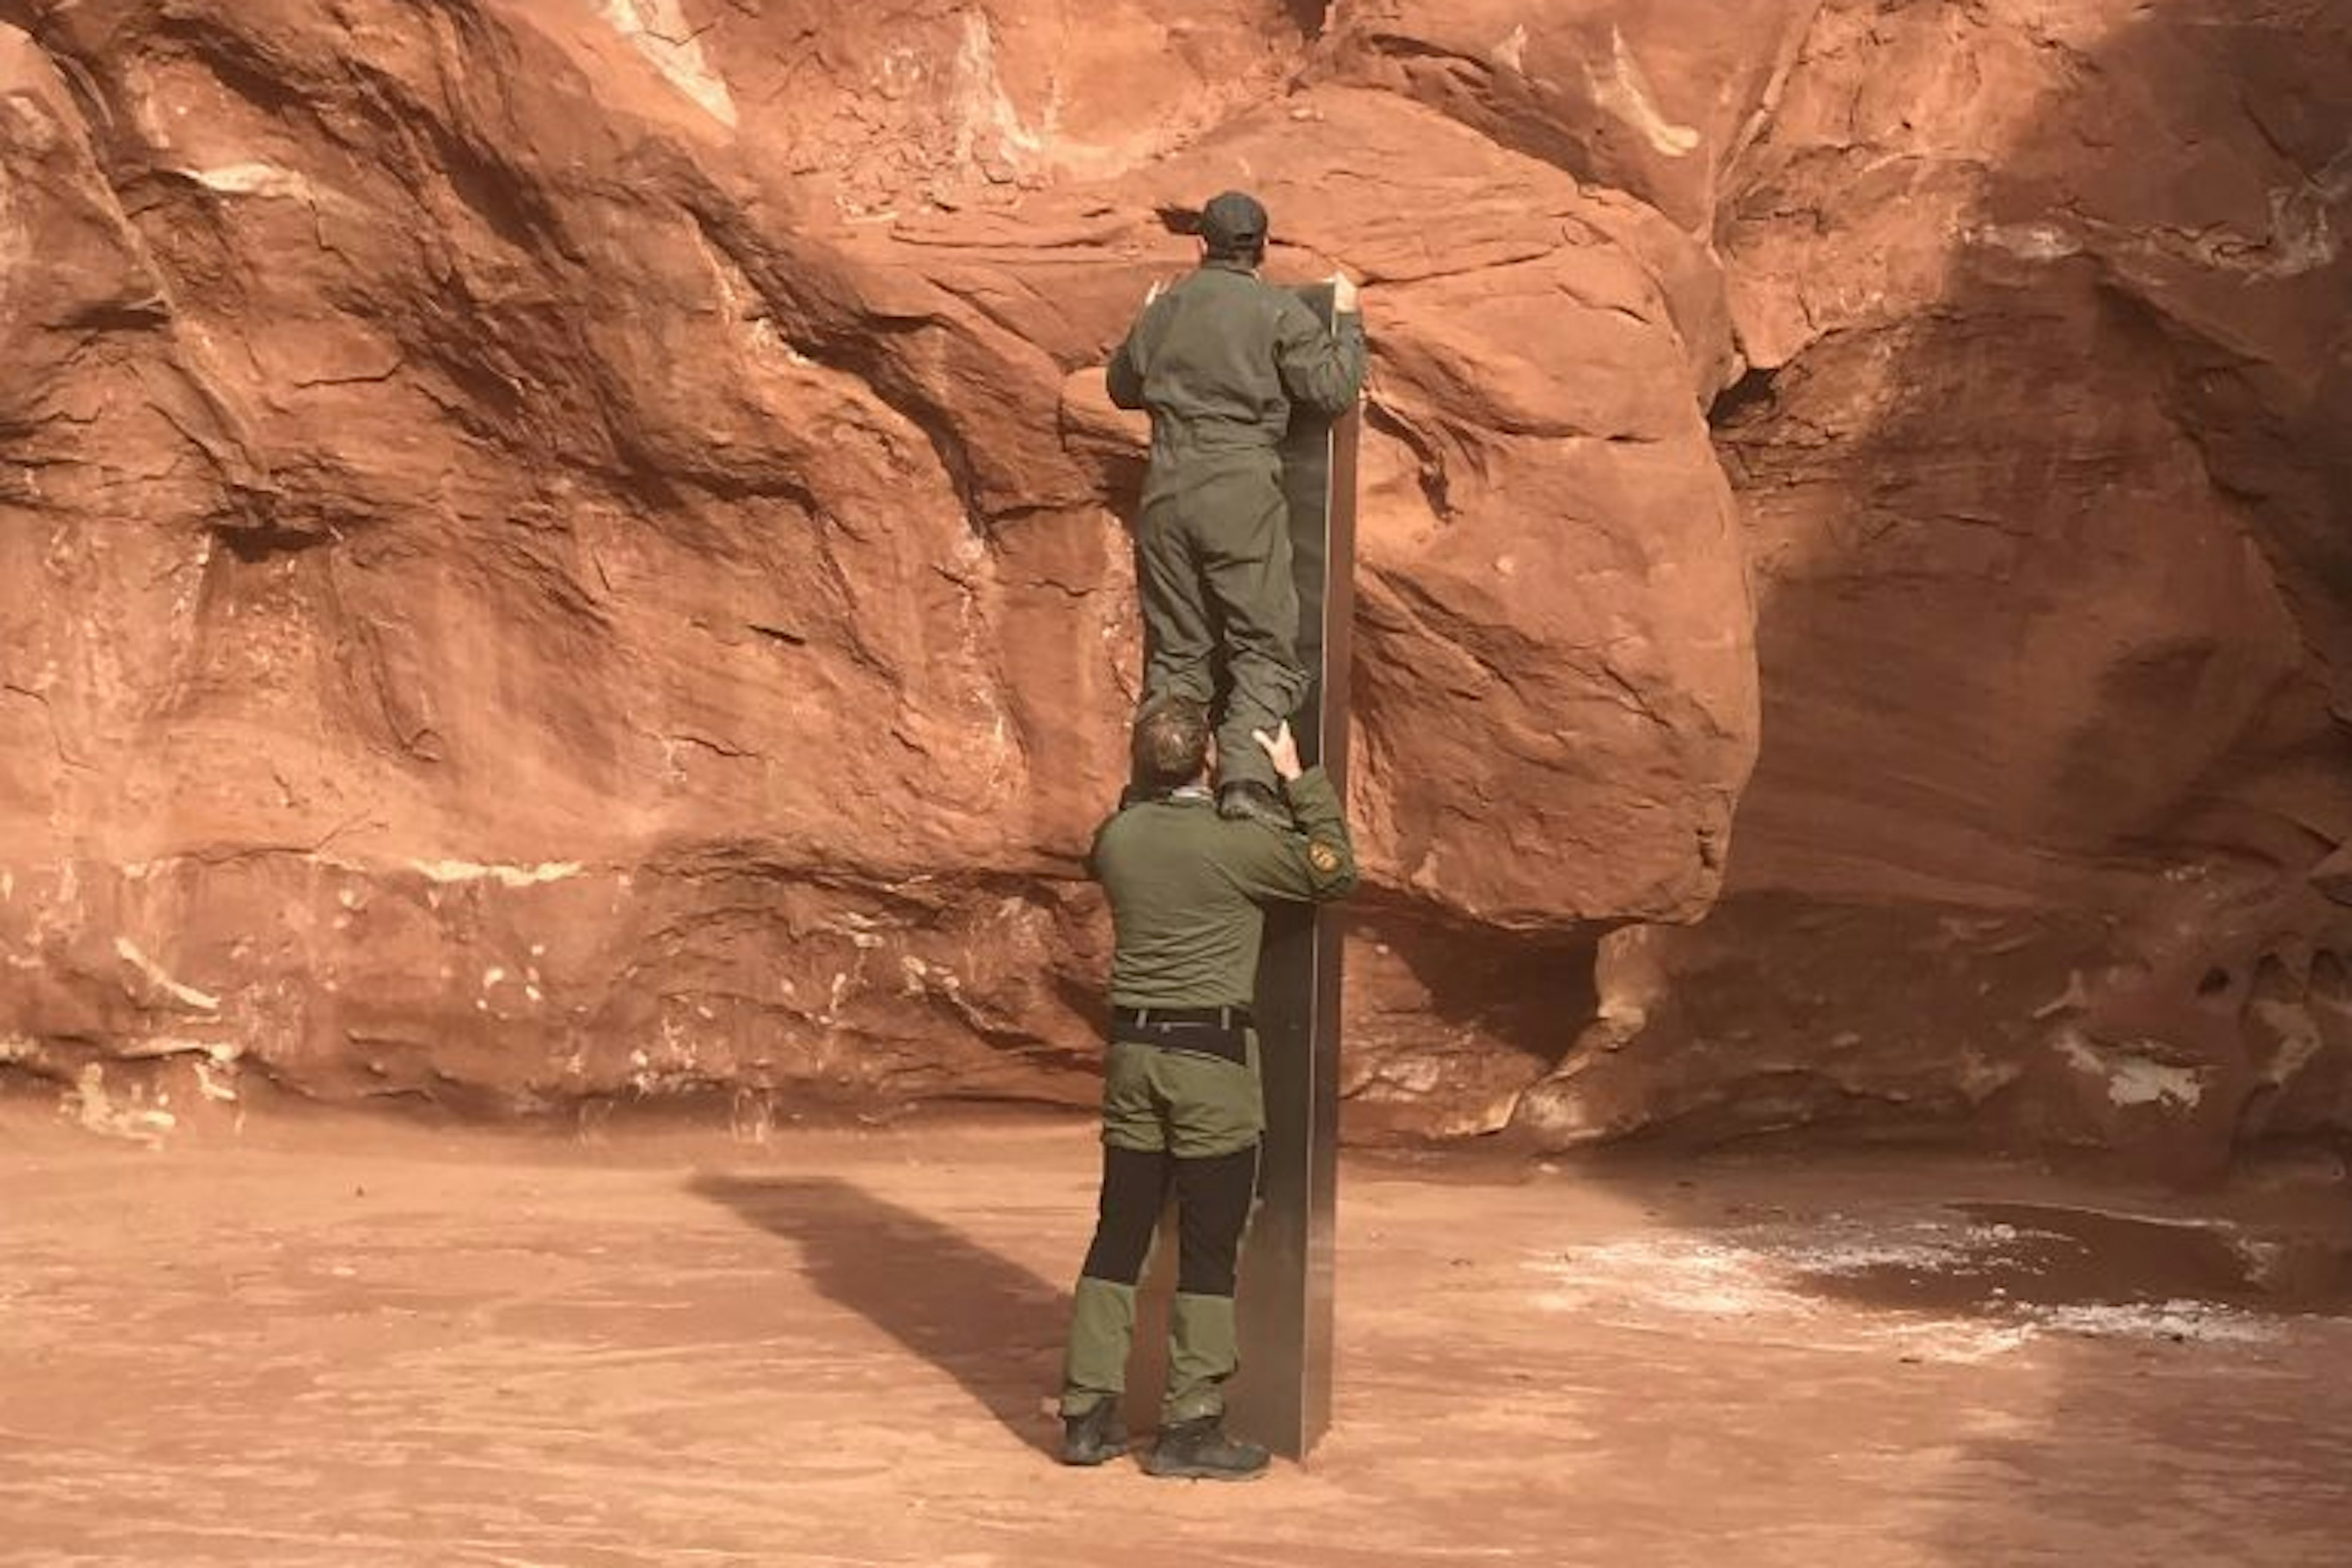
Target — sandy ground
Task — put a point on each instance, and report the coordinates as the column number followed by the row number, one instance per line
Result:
column 361, row 1345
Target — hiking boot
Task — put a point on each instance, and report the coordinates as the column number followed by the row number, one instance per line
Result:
column 1200, row 1451
column 1095, row 1438
column 1248, row 799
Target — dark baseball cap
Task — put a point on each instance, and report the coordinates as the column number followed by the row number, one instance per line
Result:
column 1232, row 221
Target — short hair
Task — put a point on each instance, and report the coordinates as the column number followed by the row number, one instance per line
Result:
column 1172, row 742
column 1250, row 253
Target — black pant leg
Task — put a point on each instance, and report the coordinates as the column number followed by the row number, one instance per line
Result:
column 1212, row 1207
column 1134, row 1191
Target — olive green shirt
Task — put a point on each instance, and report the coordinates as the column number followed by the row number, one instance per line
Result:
column 1220, row 357
column 1188, row 890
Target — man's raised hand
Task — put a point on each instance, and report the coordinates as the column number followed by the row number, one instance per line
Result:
column 1281, row 749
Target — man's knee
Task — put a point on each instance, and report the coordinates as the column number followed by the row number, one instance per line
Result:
column 1213, row 1196
column 1134, row 1188
column 1275, row 687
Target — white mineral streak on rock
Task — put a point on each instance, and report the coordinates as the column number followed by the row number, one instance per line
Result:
column 2299, row 1039
column 215, row 1080
column 1512, row 52
column 2302, row 239
column 214, row 1062
column 981, row 106
column 253, row 180
column 95, row 1108
column 2302, row 222
column 660, row 31
column 1625, row 93
column 2135, row 1077
column 505, row 876
column 128, row 951
column 155, row 1047
column 2028, row 241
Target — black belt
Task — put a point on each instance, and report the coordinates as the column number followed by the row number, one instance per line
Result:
column 1151, row 1018
column 1221, row 1032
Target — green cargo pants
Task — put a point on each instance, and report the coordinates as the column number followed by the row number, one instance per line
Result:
column 1213, row 574
column 1172, row 1121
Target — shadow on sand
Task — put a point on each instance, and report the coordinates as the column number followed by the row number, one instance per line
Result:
column 985, row 1320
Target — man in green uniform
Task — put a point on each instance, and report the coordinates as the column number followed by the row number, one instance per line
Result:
column 1182, row 1102
column 1218, row 359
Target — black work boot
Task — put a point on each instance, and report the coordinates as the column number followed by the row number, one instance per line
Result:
column 1247, row 798
column 1200, row 1450
column 1095, row 1438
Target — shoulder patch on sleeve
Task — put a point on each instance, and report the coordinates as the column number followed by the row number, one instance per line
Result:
column 1323, row 857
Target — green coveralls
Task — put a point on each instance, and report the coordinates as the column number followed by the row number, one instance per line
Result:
column 1187, row 892
column 1219, row 359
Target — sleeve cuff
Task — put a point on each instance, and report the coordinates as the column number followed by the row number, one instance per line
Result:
column 1313, row 781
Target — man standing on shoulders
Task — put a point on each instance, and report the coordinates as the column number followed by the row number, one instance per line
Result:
column 1182, row 1102
column 1218, row 359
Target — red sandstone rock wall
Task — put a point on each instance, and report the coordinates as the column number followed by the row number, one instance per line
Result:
column 571, row 551
column 2044, row 458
